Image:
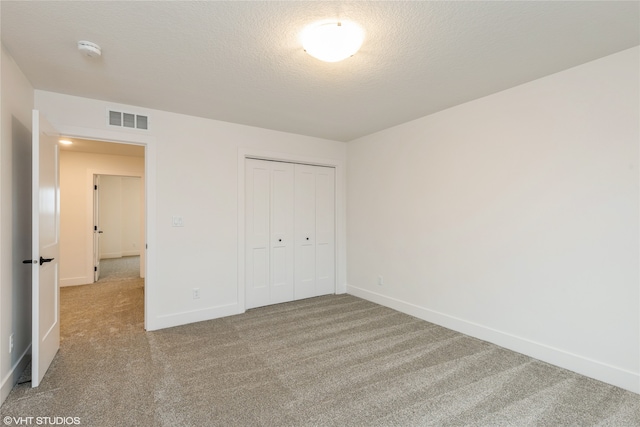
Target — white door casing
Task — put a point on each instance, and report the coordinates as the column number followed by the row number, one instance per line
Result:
column 45, row 255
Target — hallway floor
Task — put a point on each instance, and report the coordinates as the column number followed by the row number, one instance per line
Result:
column 119, row 269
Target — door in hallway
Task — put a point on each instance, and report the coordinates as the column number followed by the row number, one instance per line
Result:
column 97, row 231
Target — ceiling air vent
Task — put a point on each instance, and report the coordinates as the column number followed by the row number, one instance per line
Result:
column 128, row 120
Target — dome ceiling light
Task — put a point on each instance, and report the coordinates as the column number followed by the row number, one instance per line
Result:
column 333, row 41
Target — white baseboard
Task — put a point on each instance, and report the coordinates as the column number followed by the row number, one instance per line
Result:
column 193, row 316
column 75, row 281
column 110, row 255
column 12, row 377
column 582, row 365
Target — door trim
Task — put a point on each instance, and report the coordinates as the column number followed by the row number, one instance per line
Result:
column 150, row 173
column 340, row 212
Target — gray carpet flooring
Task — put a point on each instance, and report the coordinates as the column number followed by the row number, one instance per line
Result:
column 112, row 269
column 326, row 361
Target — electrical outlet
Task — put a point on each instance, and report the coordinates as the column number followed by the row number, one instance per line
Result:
column 177, row 221
column 11, row 343
column 196, row 293
column 380, row 281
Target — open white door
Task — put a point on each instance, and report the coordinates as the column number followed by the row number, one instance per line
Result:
column 96, row 228
column 45, row 338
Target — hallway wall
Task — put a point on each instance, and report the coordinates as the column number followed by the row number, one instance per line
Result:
column 121, row 200
column 76, row 208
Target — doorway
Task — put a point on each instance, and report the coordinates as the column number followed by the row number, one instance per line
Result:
column 115, row 165
column 118, row 222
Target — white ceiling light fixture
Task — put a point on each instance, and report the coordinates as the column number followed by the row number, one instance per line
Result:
column 65, row 142
column 332, row 41
column 89, row 49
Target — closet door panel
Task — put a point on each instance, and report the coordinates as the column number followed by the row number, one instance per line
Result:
column 325, row 231
column 305, row 233
column 257, row 208
column 290, row 232
column 282, row 246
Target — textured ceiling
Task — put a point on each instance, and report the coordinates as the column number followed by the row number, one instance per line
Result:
column 242, row 62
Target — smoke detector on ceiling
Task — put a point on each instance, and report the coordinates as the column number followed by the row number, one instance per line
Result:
column 89, row 49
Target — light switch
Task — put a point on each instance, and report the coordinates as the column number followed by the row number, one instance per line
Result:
column 177, row 221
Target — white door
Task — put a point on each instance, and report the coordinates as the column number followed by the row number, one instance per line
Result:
column 314, row 231
column 281, row 233
column 46, row 232
column 96, row 228
column 257, row 233
column 305, row 232
column 325, row 231
column 269, row 232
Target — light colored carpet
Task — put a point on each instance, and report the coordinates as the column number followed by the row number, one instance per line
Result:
column 112, row 269
column 327, row 361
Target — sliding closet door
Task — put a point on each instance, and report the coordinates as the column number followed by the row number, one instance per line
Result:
column 325, row 231
column 305, row 232
column 257, row 180
column 314, row 231
column 281, row 233
column 290, row 232
column 269, row 232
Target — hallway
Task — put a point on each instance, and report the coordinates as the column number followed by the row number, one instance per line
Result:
column 115, row 269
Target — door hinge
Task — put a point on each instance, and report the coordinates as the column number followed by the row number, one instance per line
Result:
column 95, row 187
column 95, row 228
column 95, row 268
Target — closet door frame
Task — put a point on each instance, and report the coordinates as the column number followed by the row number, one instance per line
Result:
column 339, row 207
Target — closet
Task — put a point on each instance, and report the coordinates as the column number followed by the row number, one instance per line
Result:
column 289, row 232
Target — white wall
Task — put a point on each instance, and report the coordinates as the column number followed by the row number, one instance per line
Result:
column 76, row 208
column 120, row 202
column 15, row 222
column 513, row 218
column 132, row 217
column 194, row 171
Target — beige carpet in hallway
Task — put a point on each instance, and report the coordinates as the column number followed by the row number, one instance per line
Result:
column 327, row 361
column 112, row 269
